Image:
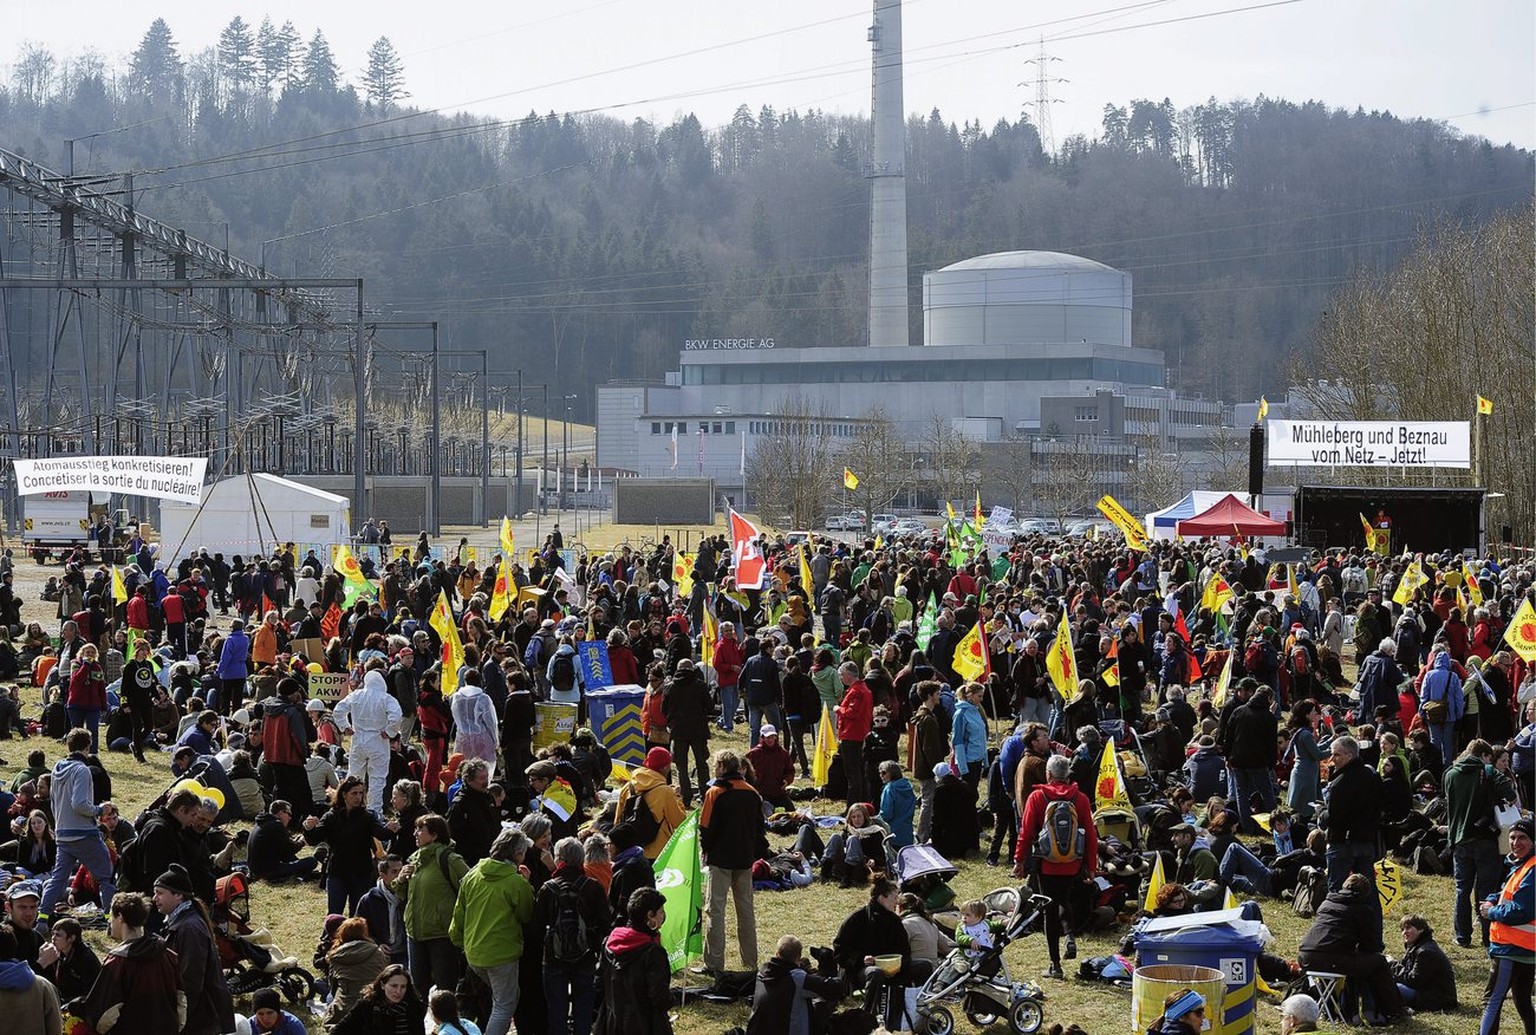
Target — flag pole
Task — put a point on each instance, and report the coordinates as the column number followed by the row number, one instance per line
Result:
column 1477, row 445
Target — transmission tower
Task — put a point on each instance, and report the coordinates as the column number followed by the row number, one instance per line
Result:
column 1041, row 105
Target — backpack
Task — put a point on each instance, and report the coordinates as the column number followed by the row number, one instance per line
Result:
column 130, row 867
column 1301, row 661
column 533, row 653
column 570, row 940
column 56, row 720
column 638, row 826
column 1311, row 889
column 1062, row 838
column 563, row 675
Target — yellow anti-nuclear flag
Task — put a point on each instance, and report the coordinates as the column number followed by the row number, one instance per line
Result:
column 508, row 546
column 453, row 648
column 1217, row 592
column 1110, row 789
column 1474, row 591
column 1484, row 406
column 1413, row 578
column 1135, row 535
column 346, row 565
column 1521, row 634
column 1061, row 662
column 1223, row 682
column 826, row 748
column 971, row 659
column 1376, row 539
column 709, row 639
column 501, row 598
column 850, row 480
column 119, row 587
column 807, row 580
column 682, row 574
column 1154, row 885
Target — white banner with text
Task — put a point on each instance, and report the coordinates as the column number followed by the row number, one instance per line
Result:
column 178, row 478
column 1370, row 443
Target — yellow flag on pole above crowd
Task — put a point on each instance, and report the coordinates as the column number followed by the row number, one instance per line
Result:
column 1061, row 662
column 1217, row 592
column 709, row 639
column 1521, row 634
column 807, row 580
column 1484, row 406
column 1110, row 789
column 977, row 515
column 1154, row 885
column 1377, row 540
column 682, row 574
column 850, row 480
column 1135, row 534
column 1263, row 407
column 508, row 544
column 1474, row 591
column 501, row 598
column 453, row 648
column 119, row 588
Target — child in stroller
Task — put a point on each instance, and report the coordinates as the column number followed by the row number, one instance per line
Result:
column 976, row 978
column 250, row 958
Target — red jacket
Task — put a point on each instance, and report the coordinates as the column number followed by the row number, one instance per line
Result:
column 728, row 660
column 856, row 714
column 138, row 613
column 170, row 606
column 88, row 687
column 621, row 660
column 774, row 769
column 1034, row 816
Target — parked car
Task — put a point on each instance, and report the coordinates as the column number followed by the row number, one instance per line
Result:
column 1040, row 526
column 885, row 524
column 849, row 522
column 1083, row 526
column 910, row 526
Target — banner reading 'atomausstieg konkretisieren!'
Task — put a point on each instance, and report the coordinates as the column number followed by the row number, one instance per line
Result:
column 178, row 478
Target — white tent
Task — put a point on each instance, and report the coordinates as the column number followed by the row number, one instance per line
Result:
column 253, row 515
column 1161, row 523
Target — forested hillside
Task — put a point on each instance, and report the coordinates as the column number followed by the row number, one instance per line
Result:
column 600, row 245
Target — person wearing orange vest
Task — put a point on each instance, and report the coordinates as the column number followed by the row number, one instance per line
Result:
column 1512, row 934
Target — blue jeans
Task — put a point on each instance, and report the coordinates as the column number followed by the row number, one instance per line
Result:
column 504, row 995
column 85, row 719
column 89, row 851
column 1355, row 857
column 1444, row 738
column 729, row 698
column 1478, row 867
column 1248, row 782
column 342, row 894
column 1505, row 977
column 433, row 961
column 1243, row 871
column 756, row 713
column 568, row 993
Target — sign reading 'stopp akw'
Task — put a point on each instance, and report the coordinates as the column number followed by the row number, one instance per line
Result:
column 1370, row 443
column 178, row 478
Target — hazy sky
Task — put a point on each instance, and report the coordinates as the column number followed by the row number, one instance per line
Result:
column 1472, row 63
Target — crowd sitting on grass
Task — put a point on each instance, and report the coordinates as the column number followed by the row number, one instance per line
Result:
column 478, row 873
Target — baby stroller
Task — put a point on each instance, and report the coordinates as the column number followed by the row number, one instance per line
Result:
column 925, row 873
column 981, row 986
column 250, row 960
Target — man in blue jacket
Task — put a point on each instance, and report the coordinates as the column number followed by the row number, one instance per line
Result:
column 759, row 688
column 75, row 815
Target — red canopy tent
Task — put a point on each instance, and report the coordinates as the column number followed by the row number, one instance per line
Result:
column 1229, row 516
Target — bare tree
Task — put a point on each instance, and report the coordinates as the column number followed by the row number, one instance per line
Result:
column 791, row 470
column 1226, row 460
column 954, row 462
column 1154, row 478
column 1454, row 321
column 881, row 461
column 1068, row 475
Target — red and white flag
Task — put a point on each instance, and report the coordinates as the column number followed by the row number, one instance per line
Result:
column 751, row 565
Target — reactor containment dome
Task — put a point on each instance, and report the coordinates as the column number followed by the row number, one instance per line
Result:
column 1027, row 298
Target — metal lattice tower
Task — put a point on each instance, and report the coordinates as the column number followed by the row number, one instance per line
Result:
column 1041, row 105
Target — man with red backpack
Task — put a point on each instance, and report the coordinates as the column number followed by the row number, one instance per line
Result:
column 1059, row 845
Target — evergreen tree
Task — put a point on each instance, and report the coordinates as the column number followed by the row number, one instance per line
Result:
column 322, row 76
column 384, row 80
column 237, row 54
column 269, row 63
column 156, row 73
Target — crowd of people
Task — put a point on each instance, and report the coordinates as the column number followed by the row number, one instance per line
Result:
column 476, row 877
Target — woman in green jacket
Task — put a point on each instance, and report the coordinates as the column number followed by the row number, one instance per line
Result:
column 495, row 903
column 427, row 886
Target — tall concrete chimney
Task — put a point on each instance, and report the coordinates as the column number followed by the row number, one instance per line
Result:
column 888, row 182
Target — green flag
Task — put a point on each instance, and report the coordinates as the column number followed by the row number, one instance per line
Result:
column 680, row 879
column 929, row 622
column 969, row 534
column 999, row 569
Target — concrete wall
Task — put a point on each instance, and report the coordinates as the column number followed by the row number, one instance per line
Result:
column 646, row 501
column 402, row 499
